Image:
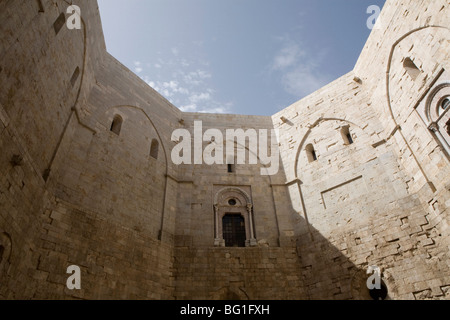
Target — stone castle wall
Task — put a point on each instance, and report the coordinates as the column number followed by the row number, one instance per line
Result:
column 362, row 180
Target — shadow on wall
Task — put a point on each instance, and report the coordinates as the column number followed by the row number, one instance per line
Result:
column 314, row 269
column 328, row 273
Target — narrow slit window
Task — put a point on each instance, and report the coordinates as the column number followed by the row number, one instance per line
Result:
column 154, row 149
column 75, row 76
column 116, row 125
column 379, row 294
column 346, row 135
column 59, row 23
column 40, row 5
column 230, row 168
column 411, row 68
column 2, row 249
column 311, row 153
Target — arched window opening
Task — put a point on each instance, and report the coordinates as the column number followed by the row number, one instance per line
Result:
column 230, row 161
column 116, row 125
column 59, row 22
column 346, row 135
column 234, row 230
column 379, row 294
column 447, row 127
column 411, row 68
column 444, row 106
column 311, row 153
column 154, row 149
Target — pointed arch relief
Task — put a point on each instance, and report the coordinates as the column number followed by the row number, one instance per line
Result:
column 230, row 293
column 411, row 63
column 311, row 151
column 435, row 112
column 312, row 197
column 155, row 142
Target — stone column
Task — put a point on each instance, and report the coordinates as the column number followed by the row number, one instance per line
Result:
column 434, row 127
column 253, row 242
column 217, row 241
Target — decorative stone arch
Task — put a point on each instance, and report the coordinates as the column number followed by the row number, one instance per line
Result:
column 295, row 185
column 230, row 294
column 437, row 119
column 233, row 200
column 390, row 61
column 301, row 145
column 437, row 133
column 118, row 109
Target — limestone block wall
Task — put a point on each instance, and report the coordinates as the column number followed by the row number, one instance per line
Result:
column 362, row 180
column 116, row 261
column 403, row 92
column 39, row 91
column 200, row 184
column 421, row 35
column 68, row 183
column 40, row 77
column 22, row 199
column 117, row 174
column 238, row 274
column 391, row 221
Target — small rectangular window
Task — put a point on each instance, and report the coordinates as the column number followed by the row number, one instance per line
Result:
column 75, row 75
column 40, row 5
column 230, row 168
column 349, row 138
column 116, row 125
column 59, row 23
column 346, row 135
column 154, row 149
column 411, row 68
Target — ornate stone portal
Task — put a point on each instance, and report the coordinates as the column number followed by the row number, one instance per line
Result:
column 233, row 201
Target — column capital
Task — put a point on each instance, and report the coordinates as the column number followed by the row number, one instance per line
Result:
column 433, row 127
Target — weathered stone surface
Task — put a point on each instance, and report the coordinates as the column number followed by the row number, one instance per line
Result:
column 375, row 192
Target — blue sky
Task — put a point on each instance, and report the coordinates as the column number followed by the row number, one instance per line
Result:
column 251, row 57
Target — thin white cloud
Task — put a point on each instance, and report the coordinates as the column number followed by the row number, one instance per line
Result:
column 184, row 63
column 138, row 67
column 189, row 108
column 288, row 56
column 204, row 96
column 196, row 77
column 299, row 70
column 185, row 83
column 303, row 80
